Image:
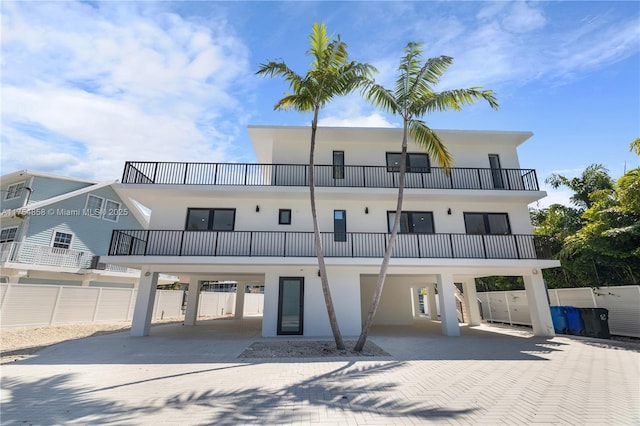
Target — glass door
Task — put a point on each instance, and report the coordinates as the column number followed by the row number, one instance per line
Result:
column 496, row 171
column 290, row 305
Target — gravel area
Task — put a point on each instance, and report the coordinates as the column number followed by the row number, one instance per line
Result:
column 308, row 349
column 21, row 342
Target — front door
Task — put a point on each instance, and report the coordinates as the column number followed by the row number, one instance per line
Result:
column 290, row 305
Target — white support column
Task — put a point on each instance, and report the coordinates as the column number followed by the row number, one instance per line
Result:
column 431, row 301
column 15, row 275
column 86, row 279
column 538, row 305
column 239, row 311
column 270, row 310
column 193, row 297
column 471, row 300
column 415, row 301
column 143, row 310
column 448, row 311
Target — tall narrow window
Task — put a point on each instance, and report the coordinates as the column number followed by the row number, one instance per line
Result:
column 210, row 219
column 496, row 172
column 338, row 164
column 339, row 225
column 412, row 222
column 94, row 206
column 487, row 223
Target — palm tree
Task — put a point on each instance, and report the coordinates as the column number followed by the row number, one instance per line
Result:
column 331, row 75
column 413, row 97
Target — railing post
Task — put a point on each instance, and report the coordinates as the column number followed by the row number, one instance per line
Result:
column 479, row 179
column 284, row 246
column 484, row 246
column 155, row 171
column 250, row 243
column 516, row 239
column 418, row 243
column 246, row 173
column 146, row 243
column 364, row 176
column 186, row 170
column 215, row 174
column 125, row 171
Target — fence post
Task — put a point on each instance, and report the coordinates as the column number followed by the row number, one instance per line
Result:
column 55, row 305
column 506, row 298
column 593, row 296
column 6, row 296
column 95, row 308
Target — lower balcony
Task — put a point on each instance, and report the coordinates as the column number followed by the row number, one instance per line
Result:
column 301, row 244
column 38, row 254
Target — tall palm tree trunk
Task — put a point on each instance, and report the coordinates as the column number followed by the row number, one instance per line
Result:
column 375, row 301
column 337, row 336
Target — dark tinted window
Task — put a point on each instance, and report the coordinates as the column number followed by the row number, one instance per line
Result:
column 413, row 222
column 487, row 223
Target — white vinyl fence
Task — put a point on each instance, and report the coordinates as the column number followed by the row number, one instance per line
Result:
column 41, row 305
column 623, row 303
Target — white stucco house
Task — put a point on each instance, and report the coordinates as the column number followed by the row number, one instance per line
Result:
column 54, row 228
column 252, row 223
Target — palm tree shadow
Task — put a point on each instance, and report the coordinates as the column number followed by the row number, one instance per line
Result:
column 334, row 390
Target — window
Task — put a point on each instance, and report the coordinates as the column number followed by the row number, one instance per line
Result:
column 338, row 164
column 412, row 222
column 416, row 163
column 339, row 225
column 111, row 211
column 284, row 217
column 210, row 219
column 62, row 240
column 94, row 206
column 496, row 173
column 14, row 191
column 8, row 234
column 487, row 223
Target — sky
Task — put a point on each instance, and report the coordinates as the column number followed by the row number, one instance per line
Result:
column 86, row 86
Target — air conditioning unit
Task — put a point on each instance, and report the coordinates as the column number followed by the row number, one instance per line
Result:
column 95, row 263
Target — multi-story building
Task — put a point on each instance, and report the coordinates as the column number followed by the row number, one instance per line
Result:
column 54, row 228
column 252, row 223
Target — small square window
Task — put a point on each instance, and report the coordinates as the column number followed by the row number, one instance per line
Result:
column 94, row 206
column 284, row 217
column 62, row 240
column 8, row 235
column 111, row 211
column 15, row 190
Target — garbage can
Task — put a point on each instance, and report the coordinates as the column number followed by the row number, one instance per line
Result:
column 559, row 318
column 596, row 322
column 576, row 324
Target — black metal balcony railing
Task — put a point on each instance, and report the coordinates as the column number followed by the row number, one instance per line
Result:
column 300, row 244
column 245, row 174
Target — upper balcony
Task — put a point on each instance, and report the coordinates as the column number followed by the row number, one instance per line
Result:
column 245, row 174
column 135, row 242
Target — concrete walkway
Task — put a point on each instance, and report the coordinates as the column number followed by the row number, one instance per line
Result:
column 191, row 375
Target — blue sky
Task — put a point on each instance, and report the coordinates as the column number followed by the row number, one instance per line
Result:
column 89, row 85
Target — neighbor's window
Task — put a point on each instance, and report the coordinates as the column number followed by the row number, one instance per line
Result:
column 284, row 217
column 412, row 222
column 15, row 190
column 339, row 225
column 94, row 206
column 62, row 240
column 8, row 235
column 487, row 223
column 210, row 219
column 338, row 164
column 416, row 162
column 111, row 210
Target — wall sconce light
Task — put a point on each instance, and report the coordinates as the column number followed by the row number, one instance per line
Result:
column 535, row 272
column 318, row 272
column 449, row 211
column 146, row 274
column 366, row 210
column 257, row 209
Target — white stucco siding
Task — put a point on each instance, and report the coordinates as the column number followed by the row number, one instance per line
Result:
column 171, row 212
column 369, row 146
column 395, row 304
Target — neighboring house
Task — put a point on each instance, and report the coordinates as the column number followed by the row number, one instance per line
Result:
column 54, row 228
column 252, row 223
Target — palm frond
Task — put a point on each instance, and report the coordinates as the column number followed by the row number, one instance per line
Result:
column 429, row 141
column 453, row 99
column 380, row 96
column 429, row 75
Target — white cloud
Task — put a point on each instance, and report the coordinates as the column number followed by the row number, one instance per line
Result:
column 123, row 81
column 523, row 18
column 374, row 119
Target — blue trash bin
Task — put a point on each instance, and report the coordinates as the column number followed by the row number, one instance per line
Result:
column 559, row 318
column 574, row 318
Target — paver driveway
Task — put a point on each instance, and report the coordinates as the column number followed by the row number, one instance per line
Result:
column 191, row 375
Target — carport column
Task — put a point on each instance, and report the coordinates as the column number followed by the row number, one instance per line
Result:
column 143, row 310
column 240, row 290
column 193, row 297
column 431, row 301
column 448, row 311
column 538, row 304
column 471, row 300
